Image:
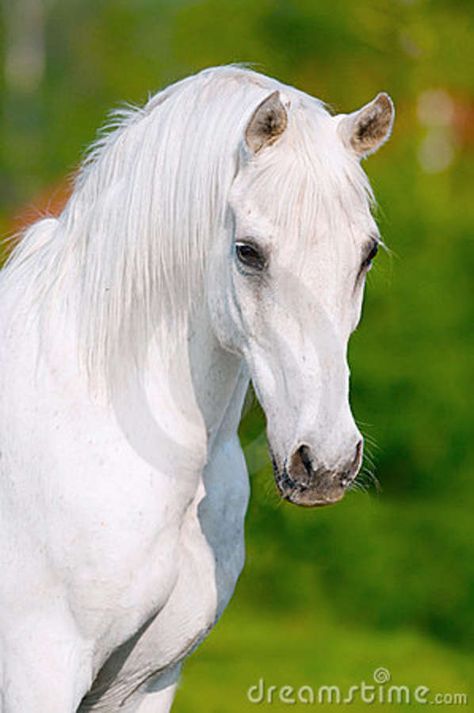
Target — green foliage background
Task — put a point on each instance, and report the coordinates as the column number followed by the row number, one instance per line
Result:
column 379, row 580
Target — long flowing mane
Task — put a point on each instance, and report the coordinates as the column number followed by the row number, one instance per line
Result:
column 130, row 247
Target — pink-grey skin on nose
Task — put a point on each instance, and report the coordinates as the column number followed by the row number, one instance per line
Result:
column 302, row 484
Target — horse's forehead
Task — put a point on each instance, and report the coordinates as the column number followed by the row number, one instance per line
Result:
column 340, row 214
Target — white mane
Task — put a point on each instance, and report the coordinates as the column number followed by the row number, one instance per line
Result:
column 130, row 247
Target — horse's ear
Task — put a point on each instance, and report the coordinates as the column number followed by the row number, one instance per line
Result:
column 267, row 123
column 365, row 130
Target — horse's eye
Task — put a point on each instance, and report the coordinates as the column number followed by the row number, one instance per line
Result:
column 250, row 256
column 372, row 252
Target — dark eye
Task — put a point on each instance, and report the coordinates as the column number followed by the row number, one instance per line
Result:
column 371, row 253
column 250, row 256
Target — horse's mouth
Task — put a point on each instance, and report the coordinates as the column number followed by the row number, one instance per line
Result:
column 308, row 500
column 321, row 488
column 309, row 495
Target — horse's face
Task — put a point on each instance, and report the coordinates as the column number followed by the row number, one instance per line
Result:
column 294, row 281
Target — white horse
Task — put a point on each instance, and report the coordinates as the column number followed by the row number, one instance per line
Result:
column 222, row 233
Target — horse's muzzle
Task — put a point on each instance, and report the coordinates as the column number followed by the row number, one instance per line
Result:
column 304, row 484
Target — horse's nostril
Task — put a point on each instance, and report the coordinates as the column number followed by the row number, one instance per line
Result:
column 358, row 454
column 304, row 455
column 356, row 462
column 300, row 468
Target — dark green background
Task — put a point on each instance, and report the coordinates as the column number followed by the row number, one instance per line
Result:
column 382, row 579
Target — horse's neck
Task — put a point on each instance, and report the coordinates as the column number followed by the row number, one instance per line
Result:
column 220, row 381
column 185, row 408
